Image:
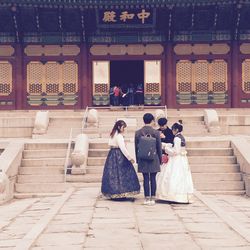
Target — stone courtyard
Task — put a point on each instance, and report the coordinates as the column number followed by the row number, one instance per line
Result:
column 81, row 219
column 43, row 207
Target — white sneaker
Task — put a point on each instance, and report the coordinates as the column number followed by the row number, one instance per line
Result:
column 147, row 202
column 152, row 202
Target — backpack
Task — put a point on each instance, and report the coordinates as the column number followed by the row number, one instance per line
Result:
column 146, row 147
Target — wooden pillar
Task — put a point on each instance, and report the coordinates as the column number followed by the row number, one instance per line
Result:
column 235, row 78
column 170, row 84
column 85, row 90
column 19, row 81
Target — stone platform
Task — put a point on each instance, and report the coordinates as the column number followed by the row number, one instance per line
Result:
column 82, row 219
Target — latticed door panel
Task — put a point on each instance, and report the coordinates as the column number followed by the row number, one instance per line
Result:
column 52, row 83
column 200, row 77
column 101, row 82
column 218, row 74
column 5, row 78
column 246, row 76
column 35, row 78
column 201, row 82
column 184, row 76
column 219, row 82
column 69, row 78
column 152, row 82
column 53, row 78
column 184, row 82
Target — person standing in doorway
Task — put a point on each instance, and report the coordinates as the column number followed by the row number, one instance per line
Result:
column 111, row 96
column 131, row 94
column 148, row 167
column 139, row 94
column 116, row 91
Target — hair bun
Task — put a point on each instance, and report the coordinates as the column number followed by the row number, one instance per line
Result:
column 180, row 122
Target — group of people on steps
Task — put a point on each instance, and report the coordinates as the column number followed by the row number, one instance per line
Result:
column 166, row 174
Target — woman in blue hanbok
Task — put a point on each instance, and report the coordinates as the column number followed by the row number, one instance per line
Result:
column 174, row 182
column 119, row 178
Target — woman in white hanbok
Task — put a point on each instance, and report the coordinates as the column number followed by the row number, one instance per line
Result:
column 174, row 182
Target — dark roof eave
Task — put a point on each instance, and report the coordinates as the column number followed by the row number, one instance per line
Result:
column 113, row 3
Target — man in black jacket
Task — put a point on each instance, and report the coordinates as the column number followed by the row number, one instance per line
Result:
column 149, row 168
column 165, row 132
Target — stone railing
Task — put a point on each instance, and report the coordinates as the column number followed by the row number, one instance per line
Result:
column 235, row 124
column 79, row 156
column 16, row 127
column 211, row 120
column 10, row 161
column 241, row 151
column 41, row 122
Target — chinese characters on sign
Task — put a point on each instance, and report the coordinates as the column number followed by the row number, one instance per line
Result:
column 128, row 17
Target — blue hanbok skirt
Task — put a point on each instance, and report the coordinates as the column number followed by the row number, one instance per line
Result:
column 119, row 178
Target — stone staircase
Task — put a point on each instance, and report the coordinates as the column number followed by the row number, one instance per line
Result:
column 60, row 124
column 213, row 164
column 42, row 170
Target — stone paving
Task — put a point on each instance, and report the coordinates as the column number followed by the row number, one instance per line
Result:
column 85, row 220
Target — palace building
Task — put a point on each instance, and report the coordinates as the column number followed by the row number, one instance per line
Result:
column 68, row 54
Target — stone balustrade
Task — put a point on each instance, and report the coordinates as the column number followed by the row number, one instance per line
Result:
column 241, row 147
column 159, row 113
column 79, row 156
column 211, row 120
column 41, row 122
column 10, row 162
column 92, row 119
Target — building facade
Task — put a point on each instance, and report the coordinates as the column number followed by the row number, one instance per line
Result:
column 68, row 54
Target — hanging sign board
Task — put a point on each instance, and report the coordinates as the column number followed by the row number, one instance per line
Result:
column 126, row 18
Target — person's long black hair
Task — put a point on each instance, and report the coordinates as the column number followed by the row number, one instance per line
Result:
column 117, row 127
column 178, row 126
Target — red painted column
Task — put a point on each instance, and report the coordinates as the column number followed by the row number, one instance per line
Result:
column 170, row 85
column 85, row 90
column 19, row 81
column 235, row 68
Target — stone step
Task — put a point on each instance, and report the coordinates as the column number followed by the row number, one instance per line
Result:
column 226, row 192
column 98, row 145
column 87, row 178
column 41, row 171
column 219, row 185
column 43, row 145
column 44, row 153
column 92, row 161
column 63, row 136
column 209, row 152
column 207, row 177
column 195, row 168
column 217, row 172
column 208, row 144
column 43, row 162
column 40, row 178
column 191, row 152
column 228, row 185
column 190, row 144
column 98, row 152
column 212, row 160
column 215, row 168
column 94, row 169
column 15, row 132
column 139, row 116
column 40, row 187
column 34, row 195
